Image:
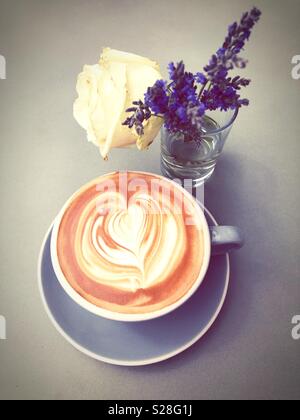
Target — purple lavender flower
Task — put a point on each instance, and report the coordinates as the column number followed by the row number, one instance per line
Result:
column 156, row 98
column 140, row 114
column 200, row 78
column 182, row 96
column 183, row 102
column 221, row 94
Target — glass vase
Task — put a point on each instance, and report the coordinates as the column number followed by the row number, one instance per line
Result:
column 194, row 157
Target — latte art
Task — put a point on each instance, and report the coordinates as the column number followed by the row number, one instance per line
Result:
column 130, row 251
column 128, row 241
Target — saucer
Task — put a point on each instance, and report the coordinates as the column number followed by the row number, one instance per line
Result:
column 138, row 343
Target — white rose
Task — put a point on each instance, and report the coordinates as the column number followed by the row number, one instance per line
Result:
column 106, row 90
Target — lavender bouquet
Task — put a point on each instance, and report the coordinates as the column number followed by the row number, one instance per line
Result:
column 184, row 101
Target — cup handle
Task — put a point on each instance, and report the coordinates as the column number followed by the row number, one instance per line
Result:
column 225, row 239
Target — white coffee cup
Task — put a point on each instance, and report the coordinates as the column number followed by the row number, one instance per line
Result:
column 216, row 240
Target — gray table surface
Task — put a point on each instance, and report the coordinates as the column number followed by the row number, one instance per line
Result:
column 249, row 353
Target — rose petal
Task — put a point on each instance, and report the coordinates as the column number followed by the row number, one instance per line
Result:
column 106, row 90
column 110, row 55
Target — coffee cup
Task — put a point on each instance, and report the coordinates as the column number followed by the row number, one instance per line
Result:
column 134, row 246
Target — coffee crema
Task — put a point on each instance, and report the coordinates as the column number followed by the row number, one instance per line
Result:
column 133, row 246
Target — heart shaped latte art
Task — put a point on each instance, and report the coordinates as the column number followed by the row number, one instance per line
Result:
column 130, row 250
column 143, row 244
